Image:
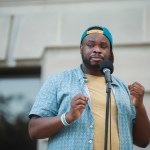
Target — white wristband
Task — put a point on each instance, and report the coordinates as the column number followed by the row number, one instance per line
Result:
column 63, row 120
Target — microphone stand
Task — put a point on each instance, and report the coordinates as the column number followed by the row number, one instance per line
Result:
column 106, row 68
column 108, row 91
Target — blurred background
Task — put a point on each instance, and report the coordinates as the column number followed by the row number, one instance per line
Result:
column 39, row 38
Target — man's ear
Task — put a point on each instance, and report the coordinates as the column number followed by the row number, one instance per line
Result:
column 81, row 48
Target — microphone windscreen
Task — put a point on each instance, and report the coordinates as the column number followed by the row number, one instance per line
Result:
column 107, row 64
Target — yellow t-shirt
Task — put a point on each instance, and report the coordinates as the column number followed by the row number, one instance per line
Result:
column 97, row 89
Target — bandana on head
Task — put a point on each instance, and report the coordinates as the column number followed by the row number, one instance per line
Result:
column 97, row 29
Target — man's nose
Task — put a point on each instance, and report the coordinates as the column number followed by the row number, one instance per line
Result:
column 97, row 49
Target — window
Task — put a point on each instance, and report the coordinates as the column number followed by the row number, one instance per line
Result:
column 18, row 88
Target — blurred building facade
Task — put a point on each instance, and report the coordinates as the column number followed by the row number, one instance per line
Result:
column 46, row 34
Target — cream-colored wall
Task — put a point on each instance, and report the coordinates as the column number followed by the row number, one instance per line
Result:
column 35, row 27
column 131, row 63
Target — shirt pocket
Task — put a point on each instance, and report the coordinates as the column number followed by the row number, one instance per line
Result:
column 124, row 104
column 64, row 99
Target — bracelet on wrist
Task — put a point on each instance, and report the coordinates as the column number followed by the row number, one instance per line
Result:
column 63, row 120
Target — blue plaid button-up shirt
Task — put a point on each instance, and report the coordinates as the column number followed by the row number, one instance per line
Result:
column 54, row 98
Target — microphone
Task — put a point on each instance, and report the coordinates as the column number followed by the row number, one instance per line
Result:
column 106, row 67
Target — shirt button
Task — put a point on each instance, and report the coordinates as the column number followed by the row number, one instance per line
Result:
column 91, row 126
column 90, row 141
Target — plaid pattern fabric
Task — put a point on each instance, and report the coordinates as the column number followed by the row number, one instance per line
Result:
column 54, row 98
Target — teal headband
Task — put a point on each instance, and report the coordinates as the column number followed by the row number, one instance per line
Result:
column 97, row 29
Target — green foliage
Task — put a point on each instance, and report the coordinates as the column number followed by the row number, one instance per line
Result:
column 13, row 135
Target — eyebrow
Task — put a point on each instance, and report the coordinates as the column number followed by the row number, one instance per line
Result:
column 102, row 42
column 91, row 40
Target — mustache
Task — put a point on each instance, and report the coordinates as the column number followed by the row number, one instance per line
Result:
column 97, row 56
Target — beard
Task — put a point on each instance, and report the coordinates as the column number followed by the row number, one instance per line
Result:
column 88, row 63
column 95, row 66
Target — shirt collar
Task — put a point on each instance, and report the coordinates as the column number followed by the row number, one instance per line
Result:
column 81, row 75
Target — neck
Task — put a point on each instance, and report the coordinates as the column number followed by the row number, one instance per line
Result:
column 91, row 71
